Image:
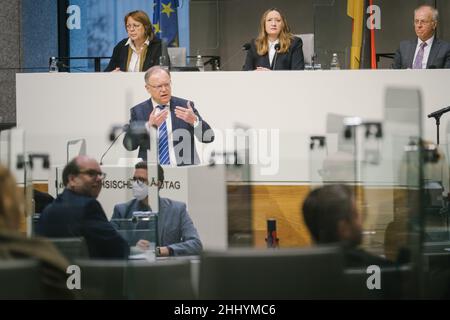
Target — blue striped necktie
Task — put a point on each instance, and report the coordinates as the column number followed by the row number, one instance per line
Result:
column 163, row 142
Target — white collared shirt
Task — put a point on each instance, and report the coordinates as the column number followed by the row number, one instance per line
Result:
column 135, row 60
column 426, row 51
column 272, row 50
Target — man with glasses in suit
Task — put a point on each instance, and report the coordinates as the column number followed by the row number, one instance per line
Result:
column 427, row 51
column 176, row 119
column 77, row 213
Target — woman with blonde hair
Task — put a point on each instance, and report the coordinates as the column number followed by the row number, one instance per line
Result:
column 14, row 245
column 275, row 48
column 141, row 50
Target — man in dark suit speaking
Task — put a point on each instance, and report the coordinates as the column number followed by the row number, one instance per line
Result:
column 177, row 121
column 427, row 52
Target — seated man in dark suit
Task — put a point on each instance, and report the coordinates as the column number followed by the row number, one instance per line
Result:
column 41, row 200
column 331, row 216
column 426, row 52
column 77, row 213
column 176, row 232
column 176, row 119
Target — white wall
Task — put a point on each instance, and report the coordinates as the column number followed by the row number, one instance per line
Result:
column 54, row 108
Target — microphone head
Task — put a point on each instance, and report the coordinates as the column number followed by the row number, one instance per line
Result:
column 277, row 46
column 246, row 46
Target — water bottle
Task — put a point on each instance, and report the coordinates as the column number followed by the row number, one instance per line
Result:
column 334, row 65
column 199, row 63
column 53, row 65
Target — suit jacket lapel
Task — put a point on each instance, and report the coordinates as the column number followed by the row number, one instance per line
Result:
column 148, row 109
column 411, row 53
column 433, row 52
column 124, row 58
column 174, row 120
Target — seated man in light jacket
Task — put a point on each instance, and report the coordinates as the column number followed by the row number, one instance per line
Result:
column 176, row 232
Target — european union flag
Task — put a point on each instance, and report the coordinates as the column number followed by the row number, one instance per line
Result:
column 165, row 21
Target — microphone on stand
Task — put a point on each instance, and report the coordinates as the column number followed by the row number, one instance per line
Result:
column 277, row 47
column 437, row 116
column 439, row 112
column 113, row 138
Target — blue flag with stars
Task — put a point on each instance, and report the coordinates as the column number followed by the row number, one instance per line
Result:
column 165, row 21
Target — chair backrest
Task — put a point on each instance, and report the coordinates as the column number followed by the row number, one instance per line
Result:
column 391, row 283
column 308, row 46
column 103, row 279
column 271, row 274
column 71, row 248
column 177, row 56
column 20, row 279
column 168, row 280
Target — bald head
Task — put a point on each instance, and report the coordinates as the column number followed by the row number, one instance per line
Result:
column 155, row 70
column 83, row 175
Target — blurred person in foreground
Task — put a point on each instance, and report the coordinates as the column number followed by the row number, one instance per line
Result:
column 331, row 216
column 14, row 245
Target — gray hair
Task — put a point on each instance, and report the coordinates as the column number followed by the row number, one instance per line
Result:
column 434, row 11
column 153, row 70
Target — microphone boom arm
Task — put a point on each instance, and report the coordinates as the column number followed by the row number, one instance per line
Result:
column 437, row 116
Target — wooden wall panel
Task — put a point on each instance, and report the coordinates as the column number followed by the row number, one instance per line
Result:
column 283, row 204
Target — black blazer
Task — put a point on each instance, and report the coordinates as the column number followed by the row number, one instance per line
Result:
column 120, row 56
column 75, row 215
column 439, row 57
column 187, row 154
column 291, row 60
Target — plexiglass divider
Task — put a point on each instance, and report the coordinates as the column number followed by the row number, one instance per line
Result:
column 393, row 179
column 397, row 177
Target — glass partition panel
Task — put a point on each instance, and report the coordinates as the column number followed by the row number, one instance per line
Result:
column 392, row 175
column 403, row 165
column 318, row 151
column 235, row 158
column 340, row 164
column 436, row 188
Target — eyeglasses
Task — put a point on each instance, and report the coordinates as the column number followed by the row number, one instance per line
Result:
column 94, row 173
column 422, row 22
column 140, row 180
column 162, row 85
column 133, row 26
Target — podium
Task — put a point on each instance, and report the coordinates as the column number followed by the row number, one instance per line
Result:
column 202, row 188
